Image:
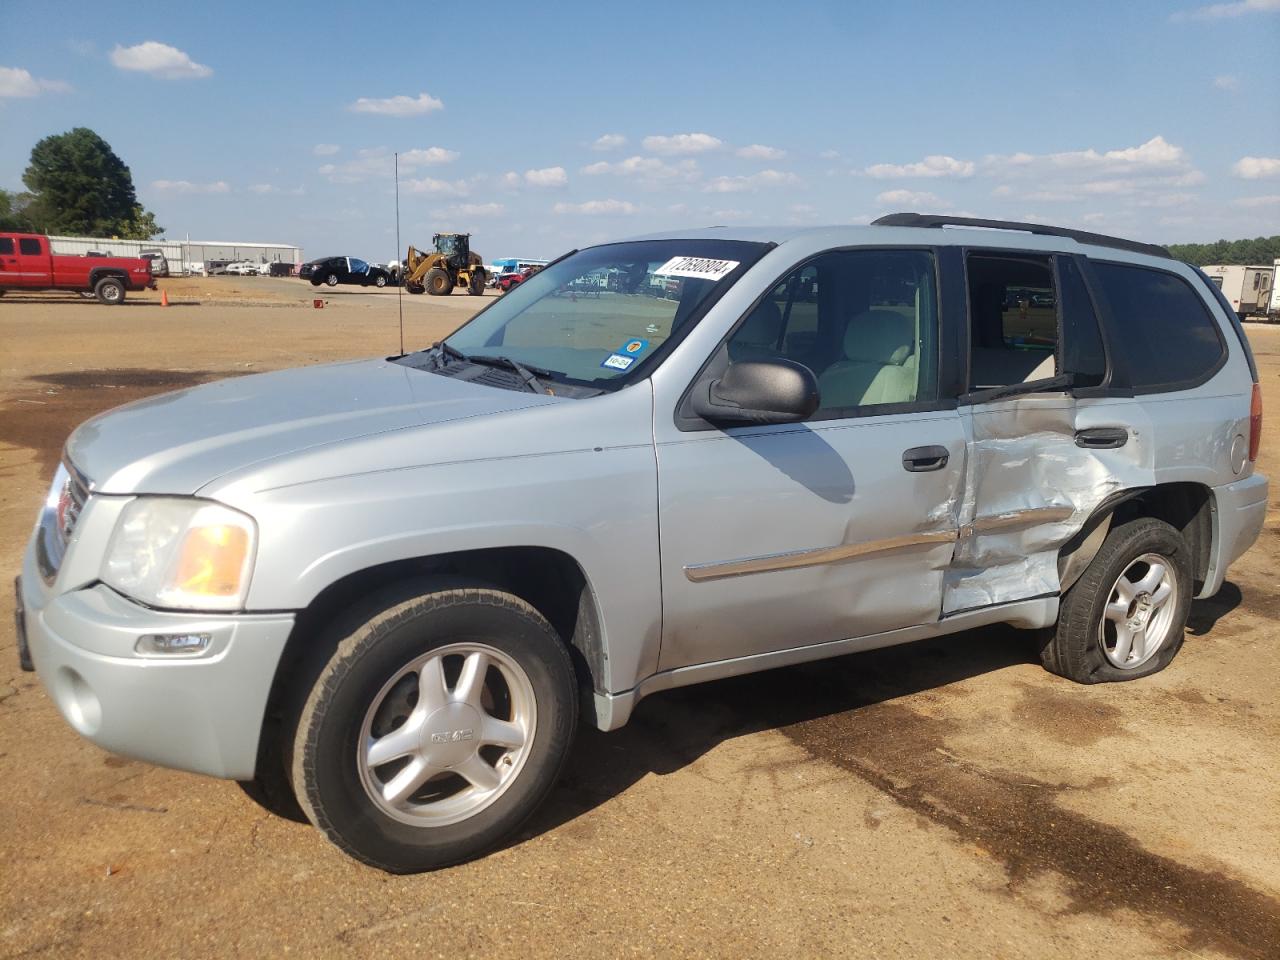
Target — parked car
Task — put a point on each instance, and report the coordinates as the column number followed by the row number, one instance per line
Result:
column 332, row 271
column 508, row 281
column 27, row 263
column 278, row 269
column 193, row 268
column 242, row 268
column 159, row 262
column 390, row 588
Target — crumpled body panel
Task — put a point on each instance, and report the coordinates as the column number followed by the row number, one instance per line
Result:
column 1029, row 489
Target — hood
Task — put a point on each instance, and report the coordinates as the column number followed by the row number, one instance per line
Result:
column 178, row 442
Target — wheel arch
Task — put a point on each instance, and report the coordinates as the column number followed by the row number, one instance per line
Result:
column 101, row 273
column 550, row 580
column 1187, row 506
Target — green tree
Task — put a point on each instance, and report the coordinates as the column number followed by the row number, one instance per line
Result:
column 14, row 213
column 1260, row 250
column 81, row 187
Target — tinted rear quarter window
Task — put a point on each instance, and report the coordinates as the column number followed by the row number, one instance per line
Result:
column 6, row 245
column 29, row 246
column 1160, row 328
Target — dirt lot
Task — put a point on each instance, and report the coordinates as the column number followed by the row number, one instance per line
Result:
column 945, row 799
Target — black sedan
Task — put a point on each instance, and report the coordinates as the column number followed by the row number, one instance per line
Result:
column 332, row 271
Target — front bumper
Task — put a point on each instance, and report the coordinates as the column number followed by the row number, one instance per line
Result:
column 199, row 713
column 1239, row 511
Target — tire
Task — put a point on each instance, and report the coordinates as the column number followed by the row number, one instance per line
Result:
column 368, row 691
column 1088, row 644
column 331, row 280
column 476, row 286
column 438, row 283
column 414, row 288
column 109, row 290
column 379, row 281
column 315, row 282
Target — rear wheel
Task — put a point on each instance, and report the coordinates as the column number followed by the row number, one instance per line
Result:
column 1126, row 615
column 476, row 286
column 331, row 280
column 379, row 281
column 109, row 290
column 436, row 729
column 438, row 282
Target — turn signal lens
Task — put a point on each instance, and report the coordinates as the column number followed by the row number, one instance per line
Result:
column 1255, row 422
column 212, row 561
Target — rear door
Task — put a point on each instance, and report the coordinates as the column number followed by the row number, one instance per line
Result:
column 1048, row 438
column 33, row 262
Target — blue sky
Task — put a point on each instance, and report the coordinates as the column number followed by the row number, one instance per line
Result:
column 562, row 124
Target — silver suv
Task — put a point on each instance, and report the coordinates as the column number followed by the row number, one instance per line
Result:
column 390, row 588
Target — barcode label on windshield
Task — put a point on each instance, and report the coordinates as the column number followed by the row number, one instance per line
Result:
column 699, row 267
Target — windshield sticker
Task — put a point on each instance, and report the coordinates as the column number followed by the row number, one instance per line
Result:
column 616, row 361
column 633, row 348
column 699, row 267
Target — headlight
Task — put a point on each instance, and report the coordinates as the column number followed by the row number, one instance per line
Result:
column 181, row 554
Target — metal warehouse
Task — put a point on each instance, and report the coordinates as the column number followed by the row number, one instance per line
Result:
column 182, row 254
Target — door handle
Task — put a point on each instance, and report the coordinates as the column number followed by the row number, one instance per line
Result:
column 923, row 459
column 1102, row 438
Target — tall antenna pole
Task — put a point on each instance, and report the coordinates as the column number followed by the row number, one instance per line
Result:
column 400, row 272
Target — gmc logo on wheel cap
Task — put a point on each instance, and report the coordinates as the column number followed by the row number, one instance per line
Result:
column 453, row 736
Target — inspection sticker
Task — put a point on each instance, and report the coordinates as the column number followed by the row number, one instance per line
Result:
column 634, row 347
column 616, row 361
column 699, row 267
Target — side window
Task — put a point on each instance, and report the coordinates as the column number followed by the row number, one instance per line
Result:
column 1082, row 351
column 1013, row 319
column 6, row 246
column 1165, row 333
column 29, row 246
column 864, row 321
column 358, row 266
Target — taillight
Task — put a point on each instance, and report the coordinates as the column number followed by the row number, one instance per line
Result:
column 1255, row 422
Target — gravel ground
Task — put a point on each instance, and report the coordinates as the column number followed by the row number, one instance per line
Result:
column 947, row 798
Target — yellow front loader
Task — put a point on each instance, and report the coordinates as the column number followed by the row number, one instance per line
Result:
column 452, row 264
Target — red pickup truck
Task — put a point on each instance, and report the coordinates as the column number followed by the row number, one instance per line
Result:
column 28, row 263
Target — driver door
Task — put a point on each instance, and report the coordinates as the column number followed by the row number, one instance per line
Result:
column 789, row 535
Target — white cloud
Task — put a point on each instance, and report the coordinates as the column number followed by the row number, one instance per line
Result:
column 401, row 106
column 911, row 198
column 730, row 213
column 186, row 186
column 1154, row 155
column 510, row 179
column 1227, row 81
column 650, row 169
column 609, row 141
column 1271, row 200
column 445, row 188
column 17, row 82
column 263, row 188
column 682, row 143
column 935, row 165
column 598, row 207
column 1225, row 11
column 1256, row 168
column 325, row 149
column 758, row 151
column 829, row 154
column 765, row 178
column 463, row 211
column 429, row 157
column 379, row 162
column 546, row 177
column 159, row 60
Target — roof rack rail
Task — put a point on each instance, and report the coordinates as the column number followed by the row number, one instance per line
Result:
column 1080, row 236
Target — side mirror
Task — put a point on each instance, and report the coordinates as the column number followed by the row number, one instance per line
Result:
column 761, row 392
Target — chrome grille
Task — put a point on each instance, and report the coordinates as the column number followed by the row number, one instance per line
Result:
column 67, row 496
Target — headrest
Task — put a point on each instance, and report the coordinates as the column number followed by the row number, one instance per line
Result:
column 763, row 325
column 879, row 336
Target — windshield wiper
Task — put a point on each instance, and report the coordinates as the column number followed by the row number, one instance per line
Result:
column 442, row 349
column 527, row 372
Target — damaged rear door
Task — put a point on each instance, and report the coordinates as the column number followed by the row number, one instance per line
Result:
column 1048, row 441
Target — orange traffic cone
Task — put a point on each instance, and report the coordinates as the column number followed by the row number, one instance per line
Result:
column 164, row 298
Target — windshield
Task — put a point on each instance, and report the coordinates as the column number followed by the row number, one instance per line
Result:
column 598, row 315
column 448, row 245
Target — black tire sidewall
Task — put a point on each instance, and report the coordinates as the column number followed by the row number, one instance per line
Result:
column 101, row 287
column 328, row 736
column 1079, row 653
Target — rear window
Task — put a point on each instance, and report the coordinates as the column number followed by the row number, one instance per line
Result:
column 28, row 245
column 1159, row 327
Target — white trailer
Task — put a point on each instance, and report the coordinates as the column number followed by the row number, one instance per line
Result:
column 1248, row 288
column 1273, row 309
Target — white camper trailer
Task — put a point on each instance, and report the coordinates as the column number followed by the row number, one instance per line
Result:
column 1248, row 288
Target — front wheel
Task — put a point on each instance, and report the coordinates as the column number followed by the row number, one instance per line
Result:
column 439, row 283
column 109, row 290
column 436, row 729
column 379, row 281
column 1125, row 617
column 331, row 280
column 476, row 286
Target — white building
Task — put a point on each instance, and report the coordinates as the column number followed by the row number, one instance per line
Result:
column 182, row 254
